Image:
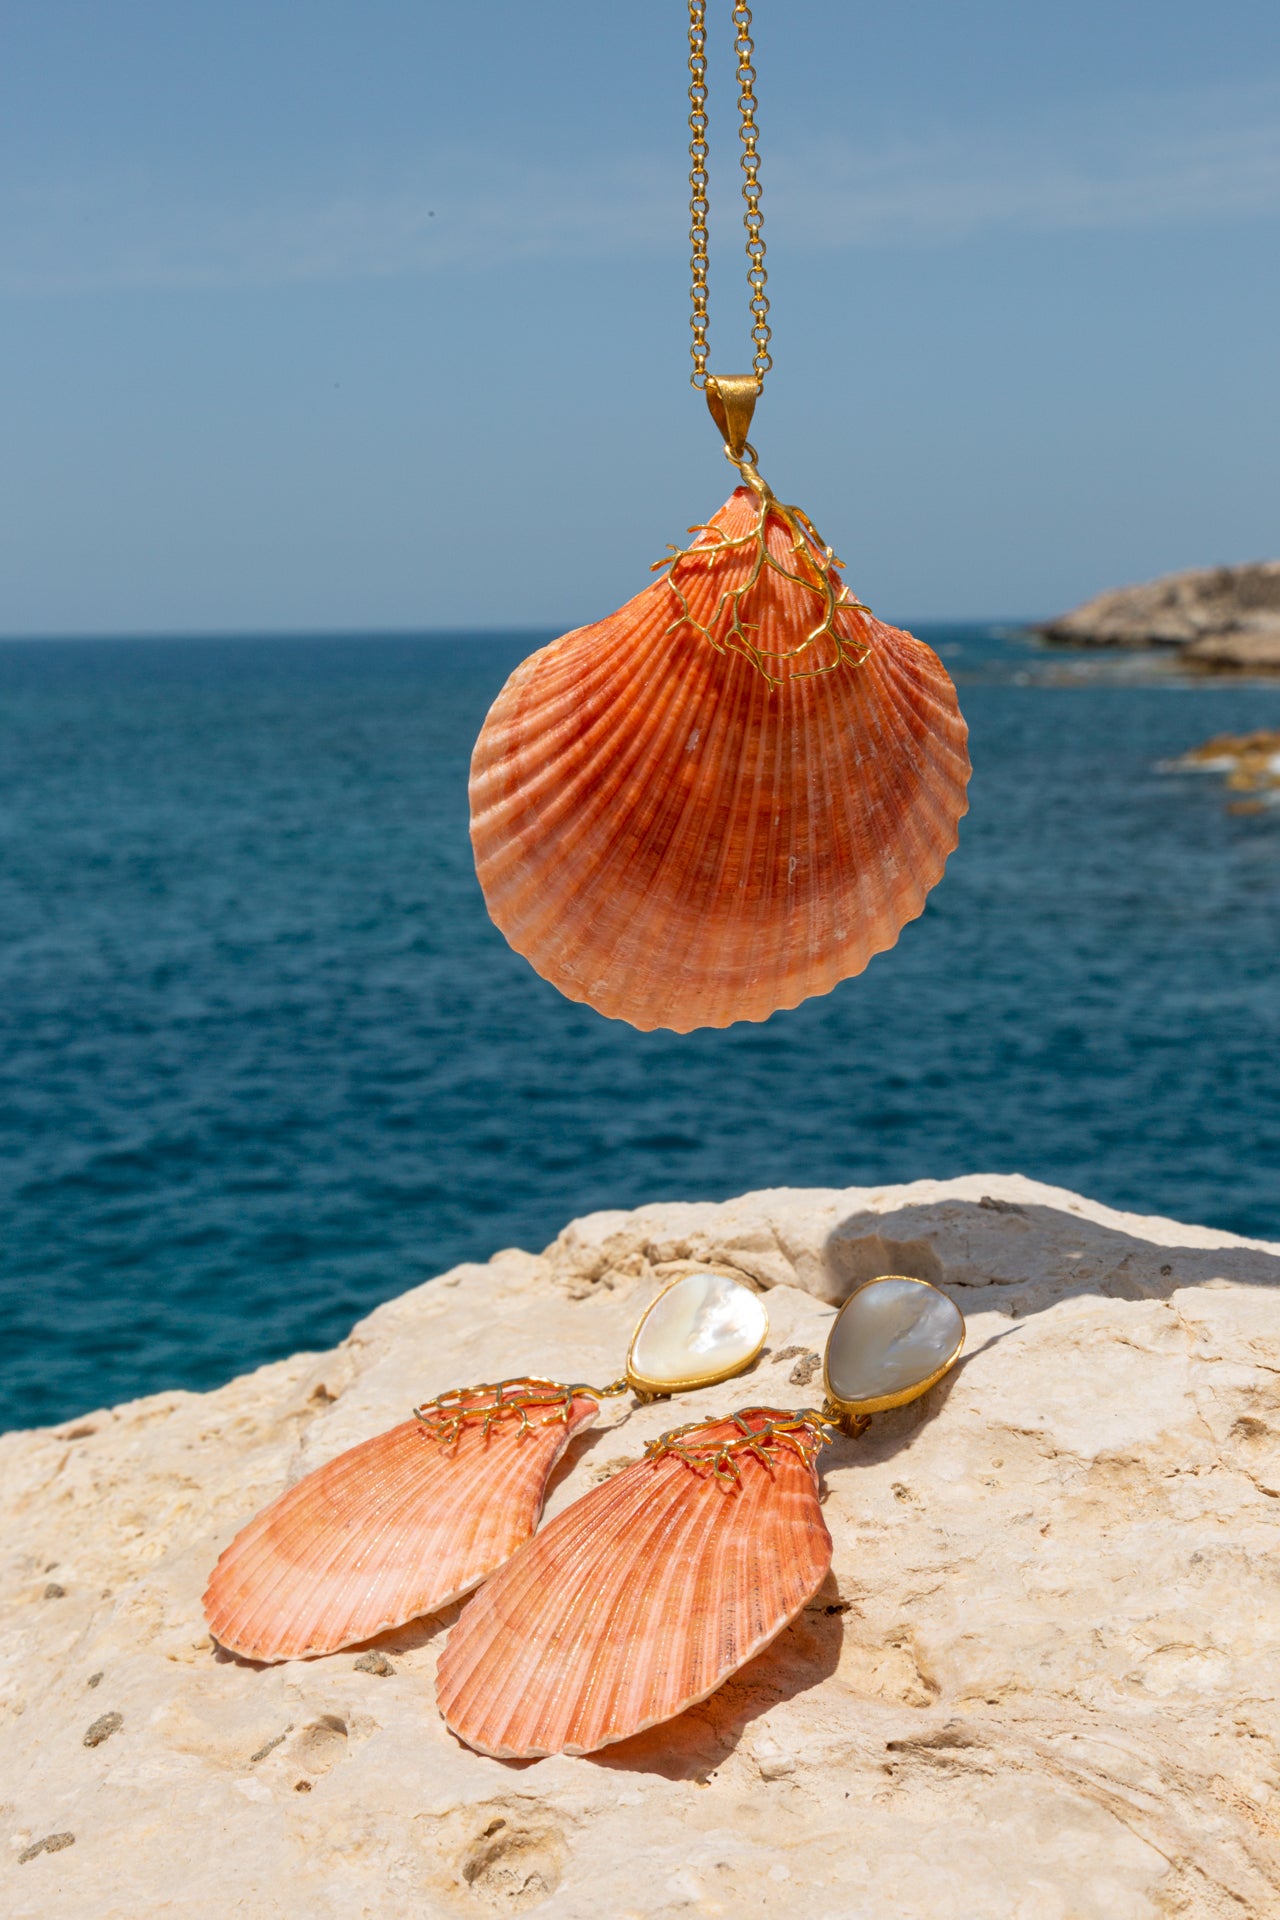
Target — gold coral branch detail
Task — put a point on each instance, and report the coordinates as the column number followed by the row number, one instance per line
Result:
column 814, row 568
column 445, row 1417
column 803, row 1432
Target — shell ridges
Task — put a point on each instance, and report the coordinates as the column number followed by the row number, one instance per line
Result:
column 636, row 1602
column 665, row 834
column 396, row 1527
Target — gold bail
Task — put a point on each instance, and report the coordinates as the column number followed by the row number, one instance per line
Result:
column 731, row 398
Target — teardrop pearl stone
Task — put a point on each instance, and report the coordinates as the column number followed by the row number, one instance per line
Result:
column 891, row 1335
column 704, row 1328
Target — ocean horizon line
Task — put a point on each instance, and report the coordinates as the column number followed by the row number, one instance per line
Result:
column 1004, row 623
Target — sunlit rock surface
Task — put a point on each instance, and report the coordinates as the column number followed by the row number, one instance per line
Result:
column 1041, row 1683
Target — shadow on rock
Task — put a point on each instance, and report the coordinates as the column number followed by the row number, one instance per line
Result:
column 695, row 1743
column 1023, row 1255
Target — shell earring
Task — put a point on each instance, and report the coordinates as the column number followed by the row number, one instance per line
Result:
column 411, row 1520
column 649, row 1592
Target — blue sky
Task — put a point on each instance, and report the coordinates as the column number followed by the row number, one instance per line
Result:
column 375, row 316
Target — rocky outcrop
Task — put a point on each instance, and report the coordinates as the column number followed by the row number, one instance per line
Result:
column 1041, row 1681
column 1223, row 618
column 1250, row 762
column 1244, row 649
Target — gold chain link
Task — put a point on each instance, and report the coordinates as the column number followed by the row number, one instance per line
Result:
column 698, row 186
column 752, row 219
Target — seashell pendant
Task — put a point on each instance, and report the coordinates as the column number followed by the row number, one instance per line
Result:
column 728, row 795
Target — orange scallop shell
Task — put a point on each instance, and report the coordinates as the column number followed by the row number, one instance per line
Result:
column 665, row 835
column 394, row 1528
column 636, row 1602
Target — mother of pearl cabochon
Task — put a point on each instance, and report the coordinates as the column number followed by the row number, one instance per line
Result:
column 890, row 1336
column 705, row 1328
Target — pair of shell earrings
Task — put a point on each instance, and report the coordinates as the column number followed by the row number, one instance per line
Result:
column 634, row 1603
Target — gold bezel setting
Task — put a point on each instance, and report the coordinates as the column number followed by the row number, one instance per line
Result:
column 881, row 1403
column 660, row 1389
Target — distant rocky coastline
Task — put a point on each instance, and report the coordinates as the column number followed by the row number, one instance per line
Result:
column 1221, row 619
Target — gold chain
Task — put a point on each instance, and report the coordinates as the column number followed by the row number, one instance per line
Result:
column 752, row 219
column 698, row 186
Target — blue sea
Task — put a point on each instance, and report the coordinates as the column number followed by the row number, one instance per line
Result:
column 266, row 1062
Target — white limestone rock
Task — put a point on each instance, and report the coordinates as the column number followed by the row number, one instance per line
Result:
column 1041, row 1683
